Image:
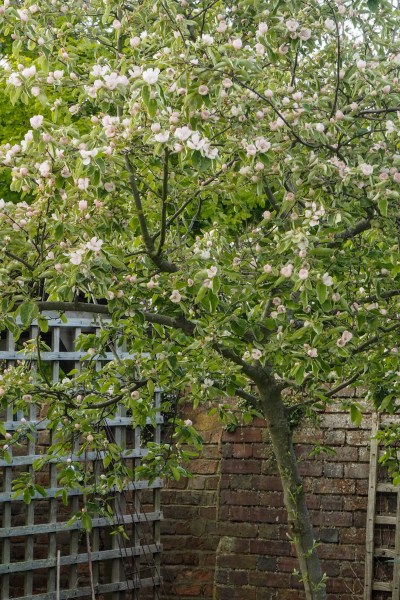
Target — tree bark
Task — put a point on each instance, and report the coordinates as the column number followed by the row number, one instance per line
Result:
column 299, row 522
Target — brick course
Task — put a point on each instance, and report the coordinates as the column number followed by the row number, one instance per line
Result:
column 225, row 534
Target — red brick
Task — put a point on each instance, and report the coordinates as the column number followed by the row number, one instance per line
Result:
column 271, row 483
column 270, row 547
column 279, row 580
column 334, row 486
column 204, row 466
column 335, row 437
column 244, row 434
column 358, row 437
column 240, row 466
column 244, row 498
column 235, row 561
column 356, row 471
column 311, row 469
column 242, row 450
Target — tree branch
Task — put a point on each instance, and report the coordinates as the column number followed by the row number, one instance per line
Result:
column 155, row 256
column 18, row 259
column 164, row 198
column 344, row 384
column 351, row 232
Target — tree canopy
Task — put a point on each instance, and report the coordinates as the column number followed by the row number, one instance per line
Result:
column 223, row 179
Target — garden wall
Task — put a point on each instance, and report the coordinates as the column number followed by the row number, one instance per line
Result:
column 225, row 534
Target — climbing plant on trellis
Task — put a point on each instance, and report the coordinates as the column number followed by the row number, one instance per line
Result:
column 46, row 552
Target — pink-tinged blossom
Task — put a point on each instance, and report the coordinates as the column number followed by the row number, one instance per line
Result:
column 207, row 283
column 327, row 280
column 237, row 44
column 366, row 169
column 76, row 257
column 312, row 353
column 262, row 145
column 267, row 215
column 207, row 39
column 212, row 271
column 29, row 71
column 259, row 48
column 256, row 354
column 134, row 42
column 35, row 91
column 45, row 169
column 320, row 127
column 262, row 28
column 183, row 133
column 188, row 423
column 330, row 24
column 361, row 64
column 83, row 183
column 305, row 34
column 94, row 244
column 303, row 274
column 287, row 270
column 175, row 296
column 150, row 75
column 87, row 155
column 82, row 205
column 36, row 121
column 162, row 137
column 251, row 150
column 203, row 90
column 292, row 25
column 222, row 27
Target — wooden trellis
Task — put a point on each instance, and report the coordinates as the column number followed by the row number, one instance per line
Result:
column 43, row 556
column 382, row 561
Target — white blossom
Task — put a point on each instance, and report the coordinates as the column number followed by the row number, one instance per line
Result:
column 150, row 75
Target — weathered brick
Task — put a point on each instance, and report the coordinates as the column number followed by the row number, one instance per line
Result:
column 240, row 466
column 356, row 471
column 333, row 470
column 310, row 469
column 334, row 437
column 330, row 536
column 334, row 486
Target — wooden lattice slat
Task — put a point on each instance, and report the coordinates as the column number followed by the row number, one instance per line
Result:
column 66, row 550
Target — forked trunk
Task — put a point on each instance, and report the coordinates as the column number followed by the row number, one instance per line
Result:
column 299, row 523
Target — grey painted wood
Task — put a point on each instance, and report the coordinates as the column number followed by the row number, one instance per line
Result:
column 125, row 574
column 64, row 526
column 85, row 591
column 77, row 558
column 56, row 492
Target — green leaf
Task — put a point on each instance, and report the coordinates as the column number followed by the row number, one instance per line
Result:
column 59, row 231
column 322, row 292
column 383, row 206
column 28, row 311
column 43, row 324
column 355, row 415
column 146, row 95
column 86, row 521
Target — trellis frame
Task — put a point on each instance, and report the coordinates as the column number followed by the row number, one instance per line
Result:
column 112, row 560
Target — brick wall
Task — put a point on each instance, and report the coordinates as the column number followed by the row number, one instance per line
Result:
column 225, row 534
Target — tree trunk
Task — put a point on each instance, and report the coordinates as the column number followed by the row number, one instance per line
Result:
column 299, row 523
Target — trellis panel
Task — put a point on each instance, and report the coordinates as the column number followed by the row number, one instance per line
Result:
column 51, row 560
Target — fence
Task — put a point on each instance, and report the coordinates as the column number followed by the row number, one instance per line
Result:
column 44, row 555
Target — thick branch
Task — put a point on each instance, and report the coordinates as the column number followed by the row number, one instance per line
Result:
column 18, row 259
column 351, row 232
column 156, row 257
column 377, row 111
column 164, row 198
column 344, row 384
